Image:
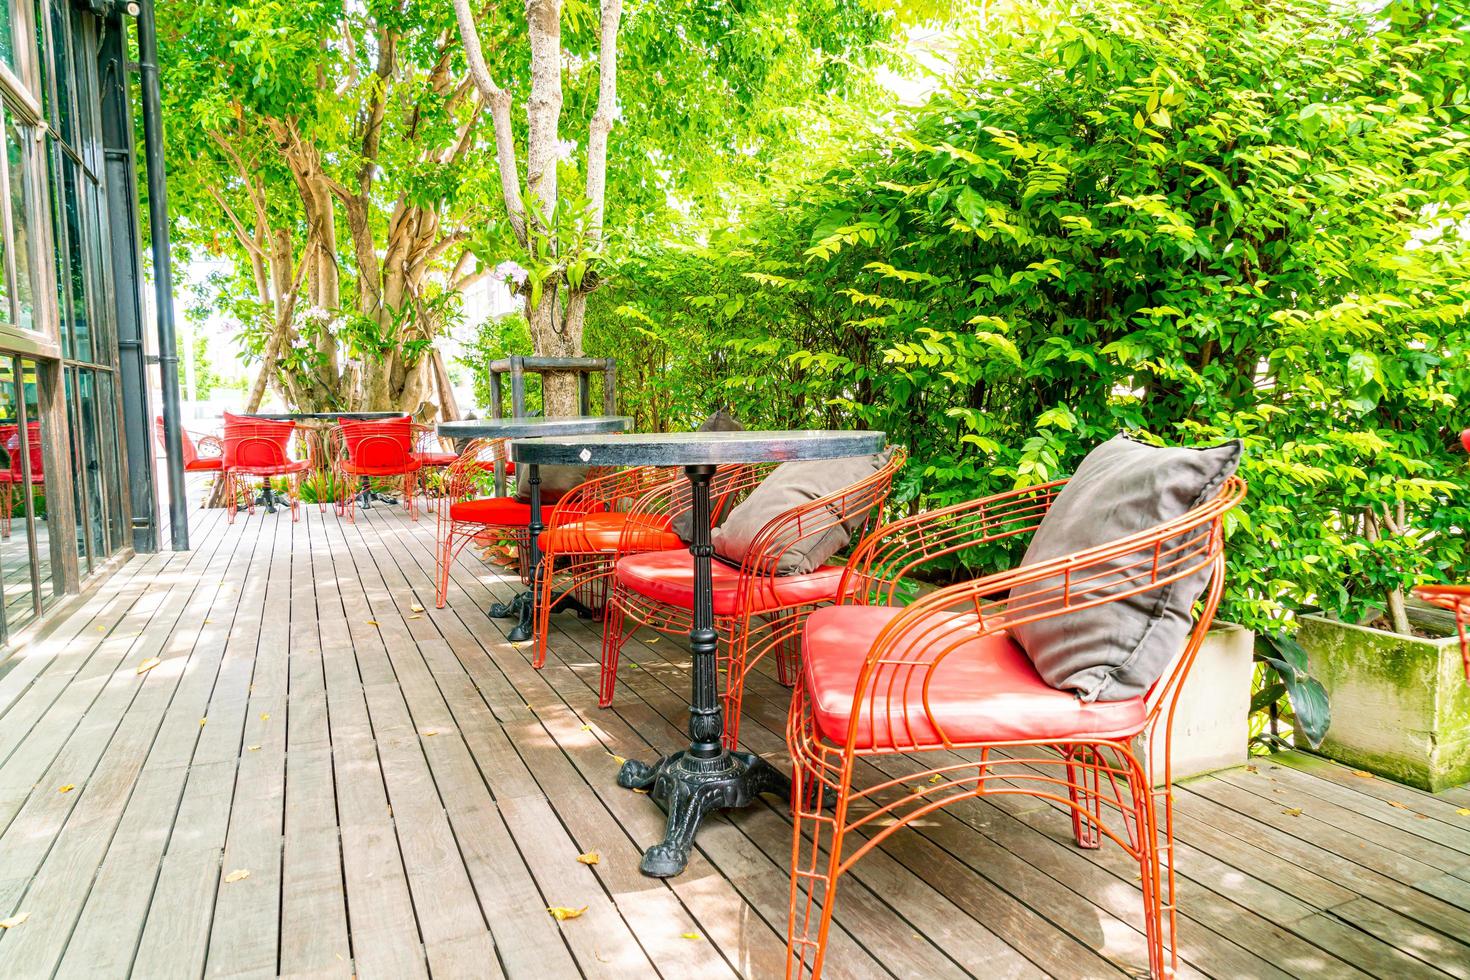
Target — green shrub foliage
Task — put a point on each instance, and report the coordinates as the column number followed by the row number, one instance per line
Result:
column 1190, row 220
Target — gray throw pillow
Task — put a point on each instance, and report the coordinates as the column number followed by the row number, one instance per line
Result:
column 556, row 481
column 791, row 485
column 683, row 521
column 1117, row 650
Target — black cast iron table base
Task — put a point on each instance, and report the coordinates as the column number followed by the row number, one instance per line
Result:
column 523, row 607
column 367, row 495
column 266, row 498
column 688, row 787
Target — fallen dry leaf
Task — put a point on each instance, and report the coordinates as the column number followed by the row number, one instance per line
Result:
column 586, row 728
column 415, row 617
column 265, row 716
column 936, row 778
column 1295, row 811
column 1251, row 769
column 1397, row 804
column 253, row 748
column 640, row 789
column 239, row 874
column 1464, row 811
column 428, row 732
column 202, row 721
column 416, row 608
column 148, row 665
column 65, row 789
column 1362, row 774
column 14, row 920
column 691, row 935
column 561, row 913
column 620, row 760
column 372, row 622
column 591, row 857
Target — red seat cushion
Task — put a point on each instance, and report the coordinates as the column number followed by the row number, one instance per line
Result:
column 435, row 459
column 277, row 469
column 200, row 464
column 391, row 469
column 602, row 532
column 983, row 690
column 496, row 510
column 668, row 576
column 492, row 510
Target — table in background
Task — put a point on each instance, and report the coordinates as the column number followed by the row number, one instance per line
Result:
column 523, row 605
column 706, row 776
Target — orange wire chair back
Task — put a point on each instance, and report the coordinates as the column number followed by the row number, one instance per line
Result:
column 379, row 444
column 669, row 498
column 858, row 507
column 1455, row 598
column 257, row 444
column 472, row 474
column 936, row 624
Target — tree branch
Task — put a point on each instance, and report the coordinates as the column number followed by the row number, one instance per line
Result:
column 602, row 119
column 499, row 102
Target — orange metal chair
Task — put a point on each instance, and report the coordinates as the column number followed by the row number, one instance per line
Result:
column 202, row 453
column 259, row 447
column 467, row 512
column 434, row 459
column 362, row 450
column 757, row 611
column 942, row 674
column 1455, row 598
column 597, row 522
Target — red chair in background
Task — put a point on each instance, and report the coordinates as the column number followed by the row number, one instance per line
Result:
column 363, row 450
column 202, row 453
column 1455, row 598
column 597, row 522
column 942, row 674
column 467, row 511
column 259, row 447
column 757, row 611
column 15, row 474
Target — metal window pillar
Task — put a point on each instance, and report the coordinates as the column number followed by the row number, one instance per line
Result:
column 122, row 196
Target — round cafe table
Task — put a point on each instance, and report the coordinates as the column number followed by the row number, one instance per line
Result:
column 706, row 776
column 523, row 607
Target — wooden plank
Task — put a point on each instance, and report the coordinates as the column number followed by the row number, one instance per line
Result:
column 174, row 944
column 548, row 706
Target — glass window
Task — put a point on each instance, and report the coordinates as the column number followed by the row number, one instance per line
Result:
column 65, row 117
column 90, row 433
column 18, row 157
column 80, row 325
column 16, row 574
column 79, row 506
column 38, row 431
column 7, row 35
column 43, row 66
column 58, row 253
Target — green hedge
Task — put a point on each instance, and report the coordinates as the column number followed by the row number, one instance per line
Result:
column 1194, row 221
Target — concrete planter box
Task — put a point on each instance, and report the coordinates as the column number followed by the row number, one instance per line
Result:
column 1211, row 727
column 1400, row 704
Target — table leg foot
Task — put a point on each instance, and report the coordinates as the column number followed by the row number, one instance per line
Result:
column 521, row 631
column 689, row 787
column 511, row 609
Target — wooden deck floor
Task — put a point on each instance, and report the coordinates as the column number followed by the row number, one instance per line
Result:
column 408, row 796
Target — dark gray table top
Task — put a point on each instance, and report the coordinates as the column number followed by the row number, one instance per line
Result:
column 696, row 448
column 554, row 425
column 304, row 416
